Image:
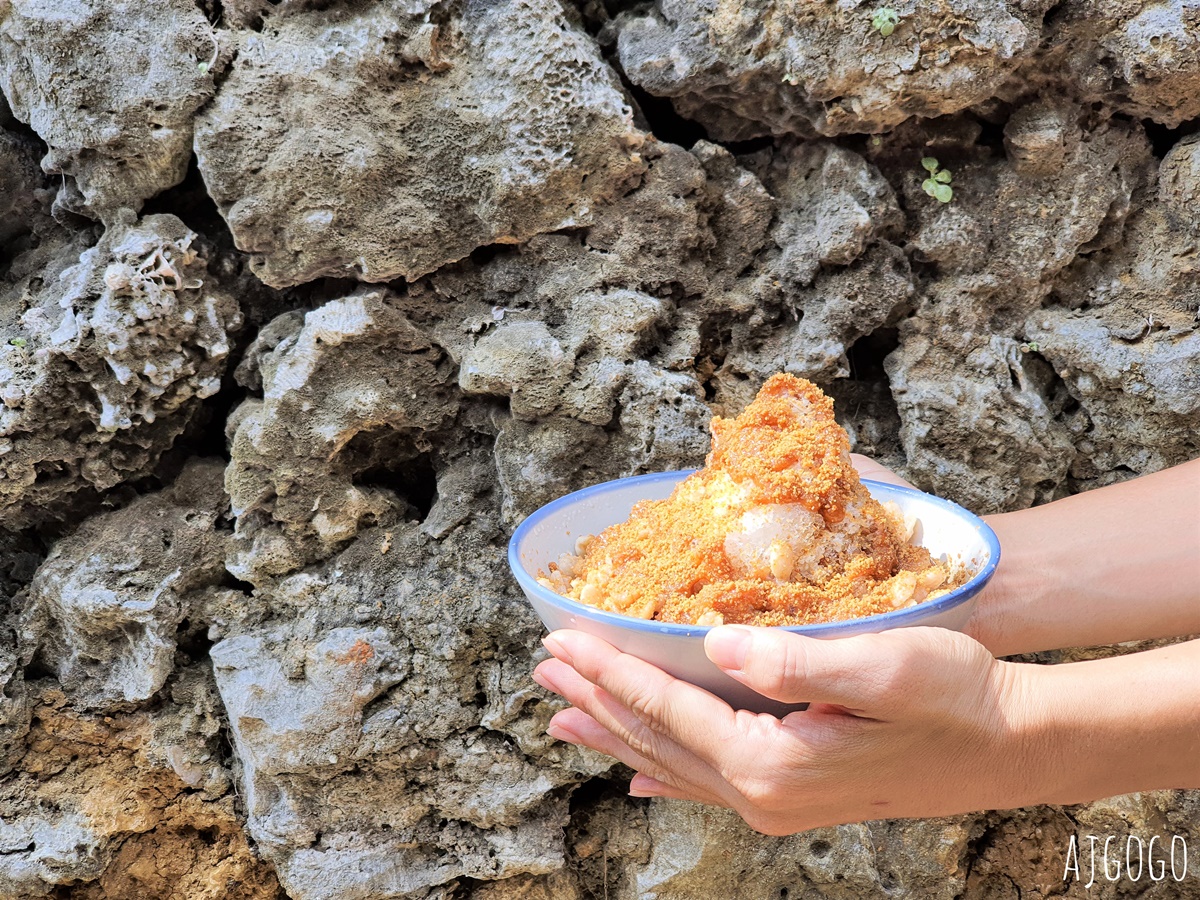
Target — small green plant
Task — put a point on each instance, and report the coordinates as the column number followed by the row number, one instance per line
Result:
column 791, row 78
column 18, row 341
column 203, row 67
column 937, row 185
column 884, row 20
column 1030, row 347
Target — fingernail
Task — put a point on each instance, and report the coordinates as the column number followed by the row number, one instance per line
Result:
column 727, row 646
column 559, row 733
column 556, row 648
column 648, row 786
column 544, row 681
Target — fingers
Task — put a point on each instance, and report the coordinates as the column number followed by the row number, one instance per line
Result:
column 628, row 738
column 643, row 785
column 602, row 724
column 648, row 708
column 577, row 727
column 793, row 668
column 868, row 468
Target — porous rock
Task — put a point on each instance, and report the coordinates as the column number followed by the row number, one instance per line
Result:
column 1140, row 58
column 695, row 852
column 984, row 419
column 1124, row 334
column 105, row 608
column 106, row 353
column 352, row 388
column 401, row 664
column 365, row 710
column 119, row 121
column 20, row 555
column 829, row 275
column 22, row 190
column 745, row 69
column 488, row 125
column 138, row 804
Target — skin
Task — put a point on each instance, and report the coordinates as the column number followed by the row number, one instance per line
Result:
column 989, row 734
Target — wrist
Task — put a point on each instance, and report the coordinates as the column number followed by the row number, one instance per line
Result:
column 1105, row 727
column 1014, row 612
column 1031, row 736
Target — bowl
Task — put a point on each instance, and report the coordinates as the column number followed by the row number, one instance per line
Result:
column 945, row 529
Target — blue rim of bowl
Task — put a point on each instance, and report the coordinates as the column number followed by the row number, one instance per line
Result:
column 889, row 619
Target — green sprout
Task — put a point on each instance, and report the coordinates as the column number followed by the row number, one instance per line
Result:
column 203, row 67
column 884, row 20
column 937, row 185
column 791, row 77
column 18, row 341
column 1030, row 347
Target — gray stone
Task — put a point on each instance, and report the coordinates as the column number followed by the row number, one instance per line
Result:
column 979, row 422
column 119, row 120
column 105, row 607
column 984, row 419
column 520, row 360
column 578, row 299
column 700, row 852
column 106, row 355
column 22, row 186
column 757, row 67
column 488, row 125
column 1140, row 58
column 20, row 555
column 831, row 276
column 351, row 388
column 390, row 757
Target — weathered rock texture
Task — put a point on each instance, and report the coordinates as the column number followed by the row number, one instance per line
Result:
column 761, row 67
column 107, row 351
column 112, row 88
column 257, row 635
column 484, row 124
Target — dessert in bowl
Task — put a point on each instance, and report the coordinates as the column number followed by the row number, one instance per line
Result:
column 777, row 529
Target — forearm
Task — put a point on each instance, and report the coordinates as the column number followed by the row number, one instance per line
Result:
column 1112, row 726
column 1117, row 564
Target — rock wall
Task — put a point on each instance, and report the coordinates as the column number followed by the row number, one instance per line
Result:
column 304, row 305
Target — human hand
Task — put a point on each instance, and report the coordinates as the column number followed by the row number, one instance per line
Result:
column 909, row 722
column 873, row 471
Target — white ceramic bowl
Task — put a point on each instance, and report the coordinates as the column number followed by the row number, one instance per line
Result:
column 944, row 528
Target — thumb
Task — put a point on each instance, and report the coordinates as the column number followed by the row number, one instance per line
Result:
column 868, row 468
column 793, row 668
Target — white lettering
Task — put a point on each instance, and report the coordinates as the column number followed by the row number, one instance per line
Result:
column 1072, row 851
column 1151, row 857
column 1128, row 863
column 1092, row 874
column 1113, row 877
column 1183, row 869
column 1162, row 865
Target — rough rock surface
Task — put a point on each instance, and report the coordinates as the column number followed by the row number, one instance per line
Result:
column 132, row 805
column 744, row 69
column 107, row 620
column 112, row 88
column 257, row 635
column 970, row 393
column 486, row 124
column 300, row 449
column 21, row 186
column 1140, row 58
column 389, row 739
column 106, row 352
